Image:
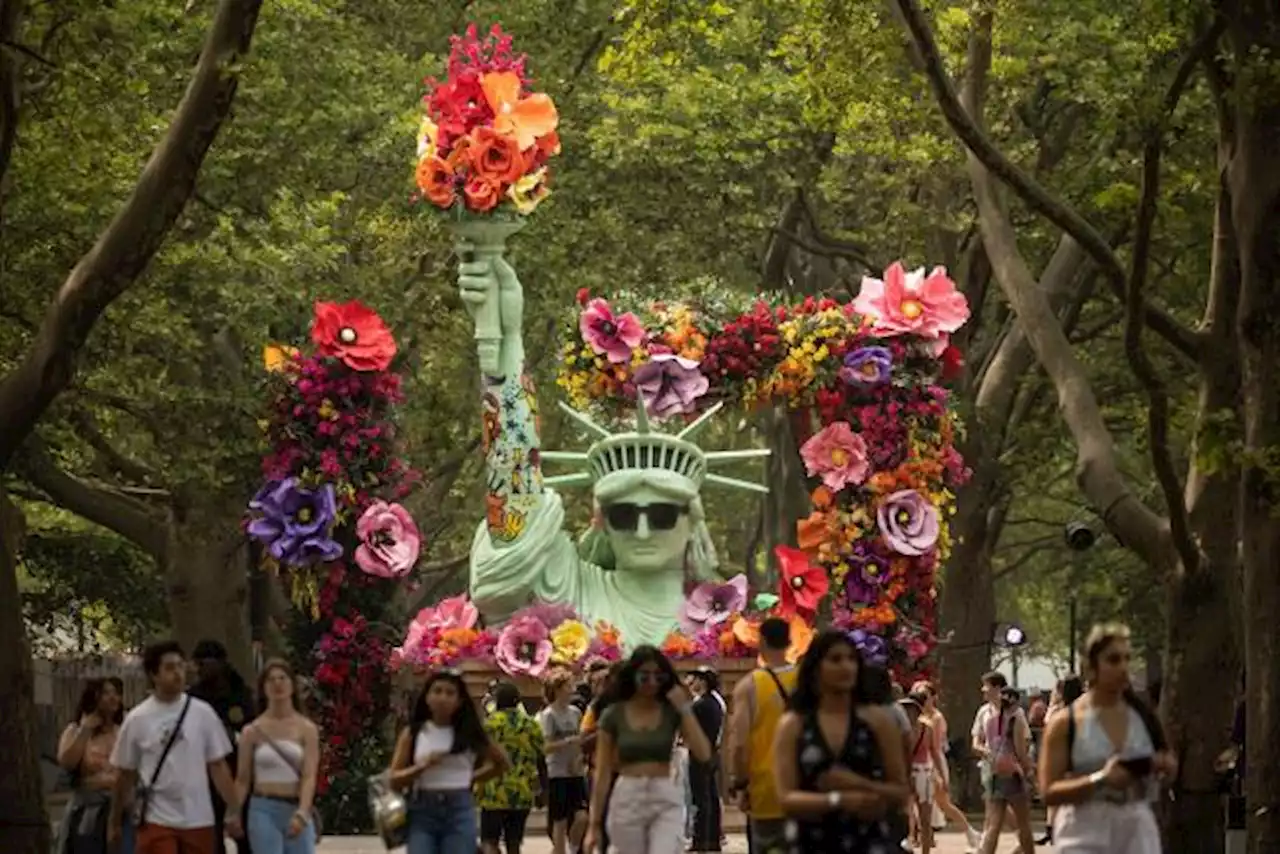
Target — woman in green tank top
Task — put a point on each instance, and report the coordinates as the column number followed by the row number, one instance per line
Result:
column 637, row 736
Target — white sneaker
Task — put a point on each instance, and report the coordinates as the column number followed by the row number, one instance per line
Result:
column 974, row 838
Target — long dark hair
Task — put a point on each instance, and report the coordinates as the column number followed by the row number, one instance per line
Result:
column 625, row 684
column 805, row 699
column 91, row 695
column 267, row 669
column 468, row 730
column 609, row 691
column 1070, row 689
column 1099, row 639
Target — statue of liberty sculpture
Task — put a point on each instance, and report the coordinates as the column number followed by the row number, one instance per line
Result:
column 648, row 528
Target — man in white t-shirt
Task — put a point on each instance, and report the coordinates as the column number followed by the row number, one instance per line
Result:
column 993, row 732
column 178, row 811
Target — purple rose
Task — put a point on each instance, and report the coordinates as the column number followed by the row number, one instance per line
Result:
column 867, row 366
column 711, row 604
column 873, row 648
column 670, row 385
column 294, row 523
column 908, row 523
column 868, row 572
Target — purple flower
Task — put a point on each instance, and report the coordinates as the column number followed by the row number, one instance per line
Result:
column 868, row 572
column 908, row 523
column 711, row 604
column 873, row 648
column 670, row 385
column 550, row 614
column 867, row 366
column 294, row 522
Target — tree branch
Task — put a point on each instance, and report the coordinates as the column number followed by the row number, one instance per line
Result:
column 127, row 245
column 446, row 569
column 1139, row 361
column 118, row 463
column 10, row 74
column 979, row 145
column 128, row 518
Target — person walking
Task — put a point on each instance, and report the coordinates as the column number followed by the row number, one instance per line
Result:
column 838, row 759
column 220, row 685
column 566, row 781
column 439, row 757
column 944, row 808
column 505, row 801
column 84, row 753
column 1104, row 757
column 604, row 685
column 709, row 710
column 278, row 767
column 1066, row 692
column 168, row 750
column 1002, row 741
column 759, row 699
column 924, row 759
column 636, row 738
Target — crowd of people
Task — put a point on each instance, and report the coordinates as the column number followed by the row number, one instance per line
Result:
column 825, row 755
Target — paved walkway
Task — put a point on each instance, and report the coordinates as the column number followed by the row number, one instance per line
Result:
column 948, row 843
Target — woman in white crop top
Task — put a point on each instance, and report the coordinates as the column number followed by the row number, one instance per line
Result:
column 439, row 757
column 1104, row 756
column 280, row 756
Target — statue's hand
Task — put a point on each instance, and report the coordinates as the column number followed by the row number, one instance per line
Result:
column 476, row 279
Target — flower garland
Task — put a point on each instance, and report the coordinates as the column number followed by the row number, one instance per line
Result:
column 864, row 382
column 485, row 139
column 327, row 520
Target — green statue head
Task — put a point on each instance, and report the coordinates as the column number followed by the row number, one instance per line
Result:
column 646, row 488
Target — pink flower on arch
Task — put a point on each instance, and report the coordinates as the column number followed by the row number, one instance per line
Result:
column 612, row 337
column 389, row 541
column 912, row 303
column 838, row 454
column 711, row 604
column 456, row 612
column 524, row 648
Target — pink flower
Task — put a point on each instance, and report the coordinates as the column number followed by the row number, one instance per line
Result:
column 912, row 303
column 670, row 385
column 711, row 604
column 389, row 541
column 524, row 647
column 613, row 337
column 453, row 613
column 838, row 454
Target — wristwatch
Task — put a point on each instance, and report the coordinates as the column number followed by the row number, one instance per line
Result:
column 833, row 800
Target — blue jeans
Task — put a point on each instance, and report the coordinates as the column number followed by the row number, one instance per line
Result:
column 441, row 823
column 268, row 828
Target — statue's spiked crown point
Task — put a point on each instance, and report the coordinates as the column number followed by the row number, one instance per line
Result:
column 644, row 449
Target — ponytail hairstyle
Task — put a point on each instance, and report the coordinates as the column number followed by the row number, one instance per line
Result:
column 1100, row 638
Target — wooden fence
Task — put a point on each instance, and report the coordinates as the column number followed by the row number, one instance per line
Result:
column 58, row 683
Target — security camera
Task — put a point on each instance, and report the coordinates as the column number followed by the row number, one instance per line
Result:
column 1080, row 537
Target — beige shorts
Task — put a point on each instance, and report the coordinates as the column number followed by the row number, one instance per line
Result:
column 923, row 781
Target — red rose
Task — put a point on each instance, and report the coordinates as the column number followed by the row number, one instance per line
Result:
column 481, row 196
column 354, row 333
column 583, row 296
column 952, row 363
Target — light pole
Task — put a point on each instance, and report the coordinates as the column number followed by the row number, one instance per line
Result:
column 1080, row 537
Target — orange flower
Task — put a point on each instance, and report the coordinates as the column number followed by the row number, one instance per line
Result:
column 495, row 158
column 801, row 637
column 747, row 632
column 814, row 532
column 677, row 645
column 481, row 195
column 607, row 633
column 460, row 154
column 548, row 145
column 458, row 637
column 523, row 119
column 435, row 180
column 821, row 498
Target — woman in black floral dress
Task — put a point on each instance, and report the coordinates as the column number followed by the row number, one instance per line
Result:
column 838, row 760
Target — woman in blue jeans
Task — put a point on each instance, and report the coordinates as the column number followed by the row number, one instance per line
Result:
column 438, row 758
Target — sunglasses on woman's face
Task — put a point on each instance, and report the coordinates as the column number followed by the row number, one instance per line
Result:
column 626, row 517
column 650, row 677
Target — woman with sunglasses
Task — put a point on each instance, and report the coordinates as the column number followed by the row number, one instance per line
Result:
column 1104, row 755
column 439, row 758
column 636, row 740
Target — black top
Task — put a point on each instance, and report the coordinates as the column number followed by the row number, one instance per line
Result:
column 710, row 716
column 837, row 832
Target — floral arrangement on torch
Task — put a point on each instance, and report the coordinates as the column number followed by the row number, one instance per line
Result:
column 865, row 384
column 327, row 518
column 485, row 140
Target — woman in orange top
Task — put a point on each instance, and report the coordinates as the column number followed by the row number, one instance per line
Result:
column 84, row 753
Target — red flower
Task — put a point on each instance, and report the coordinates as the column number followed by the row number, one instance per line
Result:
column 803, row 584
column 952, row 363
column 354, row 333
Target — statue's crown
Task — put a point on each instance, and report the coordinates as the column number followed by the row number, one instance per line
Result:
column 643, row 449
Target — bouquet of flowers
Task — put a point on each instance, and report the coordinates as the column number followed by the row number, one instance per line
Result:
column 485, row 140
column 865, row 384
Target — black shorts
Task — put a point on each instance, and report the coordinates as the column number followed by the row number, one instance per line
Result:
column 566, row 797
column 503, row 826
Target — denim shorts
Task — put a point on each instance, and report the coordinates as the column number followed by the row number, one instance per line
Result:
column 442, row 822
column 268, row 828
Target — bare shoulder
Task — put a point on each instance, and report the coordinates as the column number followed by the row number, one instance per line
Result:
column 789, row 724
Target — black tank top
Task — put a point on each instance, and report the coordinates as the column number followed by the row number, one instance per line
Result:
column 837, row 832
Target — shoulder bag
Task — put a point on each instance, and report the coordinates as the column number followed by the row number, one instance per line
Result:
column 142, row 796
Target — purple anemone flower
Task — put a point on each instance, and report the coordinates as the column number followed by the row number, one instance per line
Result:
column 908, row 523
column 294, row 523
column 670, row 385
column 868, row 572
column 867, row 366
column 711, row 604
column 873, row 647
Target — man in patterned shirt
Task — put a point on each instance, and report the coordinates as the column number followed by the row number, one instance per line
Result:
column 505, row 802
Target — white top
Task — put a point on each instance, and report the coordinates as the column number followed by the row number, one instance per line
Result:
column 180, row 797
column 558, row 725
column 270, row 767
column 453, row 771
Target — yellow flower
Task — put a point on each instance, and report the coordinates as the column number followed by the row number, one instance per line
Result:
column 327, row 411
column 527, row 193
column 276, row 357
column 426, row 139
column 569, row 642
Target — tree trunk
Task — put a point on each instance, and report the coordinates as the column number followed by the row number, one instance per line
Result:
column 1254, row 180
column 208, row 586
column 24, row 825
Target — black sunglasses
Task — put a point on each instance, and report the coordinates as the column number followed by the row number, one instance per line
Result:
column 626, row 517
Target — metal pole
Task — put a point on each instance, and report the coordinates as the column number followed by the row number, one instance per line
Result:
column 1073, row 630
